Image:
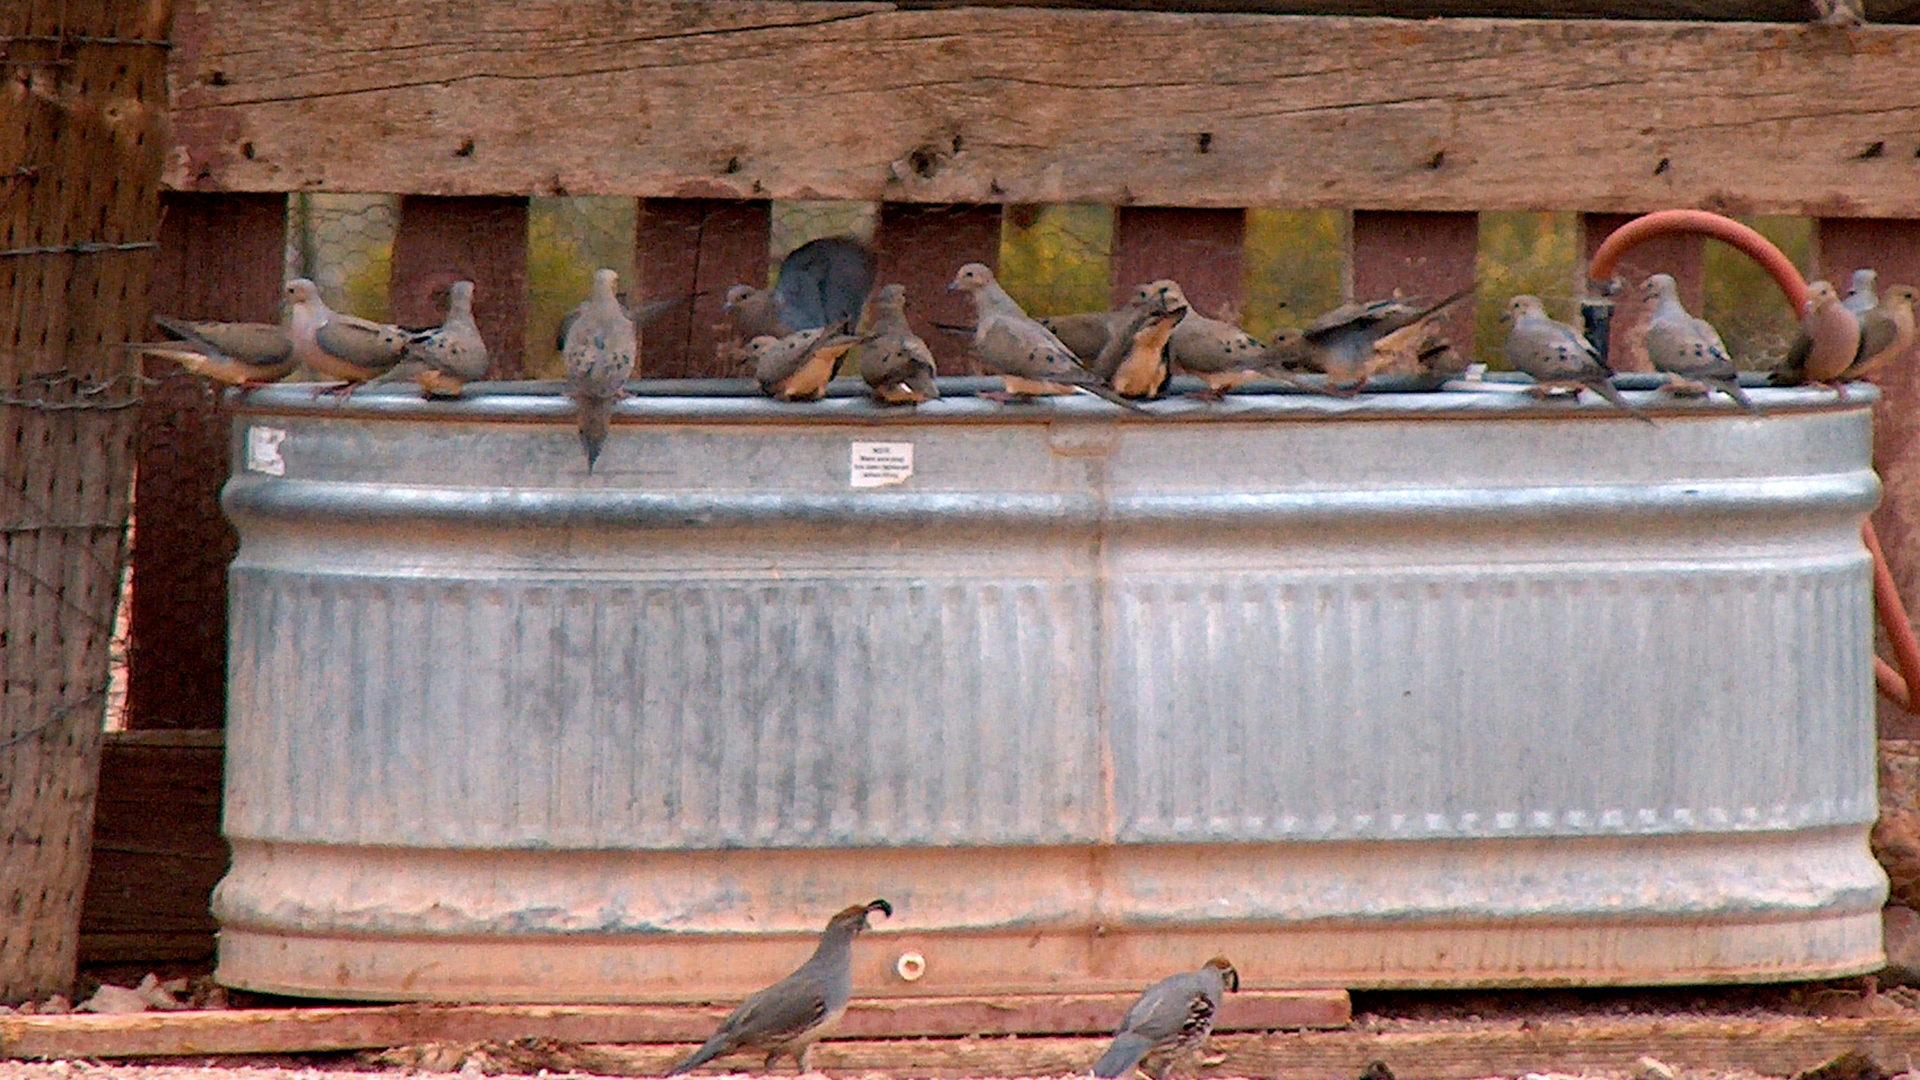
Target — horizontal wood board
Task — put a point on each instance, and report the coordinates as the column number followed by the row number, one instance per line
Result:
column 829, row 100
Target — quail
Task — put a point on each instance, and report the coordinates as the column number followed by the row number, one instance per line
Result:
column 788, row 1016
column 1170, row 1020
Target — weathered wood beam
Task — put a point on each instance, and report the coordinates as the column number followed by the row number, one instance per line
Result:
column 828, row 100
column 1786, row 11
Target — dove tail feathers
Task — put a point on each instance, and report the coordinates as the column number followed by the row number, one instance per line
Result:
column 595, row 414
column 1733, row 390
column 1125, row 1053
column 1108, row 393
column 1606, row 389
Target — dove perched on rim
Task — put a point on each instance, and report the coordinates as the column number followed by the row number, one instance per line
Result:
column 1687, row 347
column 1863, row 294
column 342, row 347
column 452, row 354
column 601, row 347
column 246, row 355
column 1134, row 360
column 1023, row 353
column 798, row 366
column 1827, row 345
column 896, row 363
column 1170, row 1020
column 787, row 1017
column 641, row 316
column 1557, row 355
column 1354, row 342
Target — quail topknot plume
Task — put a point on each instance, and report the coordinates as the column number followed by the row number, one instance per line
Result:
column 788, row 1016
column 1170, row 1021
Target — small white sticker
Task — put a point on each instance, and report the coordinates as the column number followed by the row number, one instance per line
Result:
column 263, row 450
column 877, row 464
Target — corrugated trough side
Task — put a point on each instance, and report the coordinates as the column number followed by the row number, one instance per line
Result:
column 1417, row 690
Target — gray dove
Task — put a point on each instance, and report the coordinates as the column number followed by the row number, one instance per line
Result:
column 344, row 347
column 788, row 1016
column 896, row 363
column 601, row 347
column 642, row 316
column 1134, row 359
column 797, row 367
column 1557, row 355
column 1687, row 347
column 451, row 354
column 1171, row 1020
column 1862, row 296
column 1023, row 353
column 239, row 354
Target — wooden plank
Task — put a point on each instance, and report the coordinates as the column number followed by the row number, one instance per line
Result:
column 1416, row 254
column 1769, row 1046
column 1201, row 249
column 483, row 239
column 922, row 247
column 1682, row 255
column 732, row 100
column 1893, row 249
column 220, row 257
column 256, row 1031
column 1786, row 11
column 157, row 849
column 688, row 245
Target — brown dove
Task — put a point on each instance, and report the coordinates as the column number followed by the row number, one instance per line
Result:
column 1828, row 342
column 796, row 367
column 1087, row 332
column 601, row 348
column 344, row 347
column 1886, row 332
column 896, row 363
column 452, row 354
column 1354, row 342
column 1557, row 355
column 246, row 355
column 1221, row 354
column 1023, row 353
column 1687, row 348
column 1134, row 359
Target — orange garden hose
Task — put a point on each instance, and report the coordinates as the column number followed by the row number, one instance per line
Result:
column 1896, row 684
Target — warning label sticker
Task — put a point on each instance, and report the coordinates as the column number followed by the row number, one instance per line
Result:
column 878, row 464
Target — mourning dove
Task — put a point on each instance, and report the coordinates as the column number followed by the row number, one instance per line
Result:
column 1839, row 14
column 1828, row 342
column 822, row 281
column 896, row 363
column 1170, row 1020
column 642, row 316
column 1355, row 342
column 339, row 346
column 600, row 350
column 1086, row 332
column 1221, row 354
column 797, row 367
column 1134, row 359
column 238, row 354
column 1023, row 353
column 788, row 1016
column 1862, row 296
column 453, row 353
column 1687, row 347
column 1886, row 332
column 1557, row 355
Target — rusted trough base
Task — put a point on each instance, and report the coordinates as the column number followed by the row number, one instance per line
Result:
column 1776, row 1046
column 288, row 1031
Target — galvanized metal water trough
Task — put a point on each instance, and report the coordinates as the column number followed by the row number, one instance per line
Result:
column 1422, row 689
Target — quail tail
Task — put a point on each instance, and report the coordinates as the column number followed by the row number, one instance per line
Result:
column 1125, row 1053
